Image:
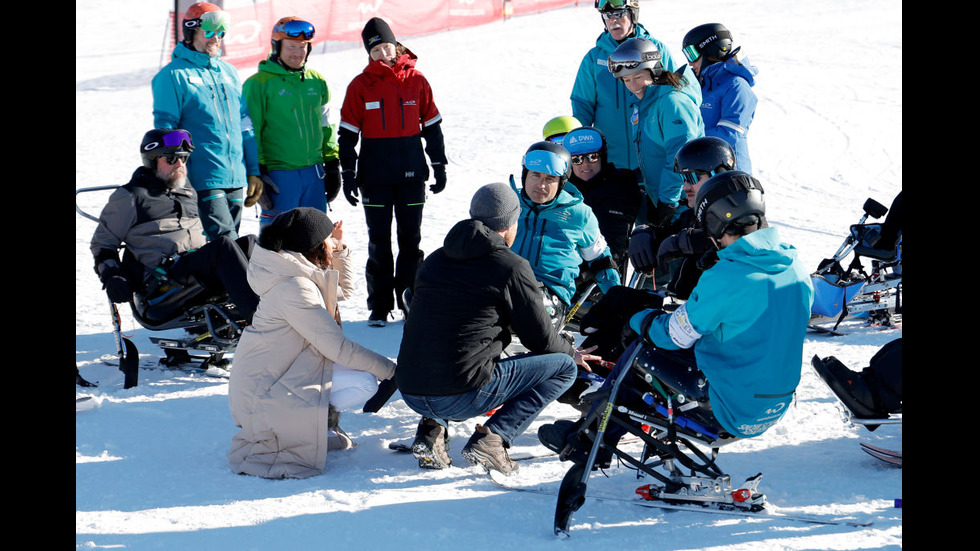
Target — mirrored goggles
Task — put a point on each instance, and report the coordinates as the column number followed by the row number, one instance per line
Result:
column 616, row 67
column 607, row 4
column 591, row 157
column 614, row 14
column 691, row 52
column 296, row 29
column 178, row 138
column 545, row 162
column 692, row 177
column 212, row 23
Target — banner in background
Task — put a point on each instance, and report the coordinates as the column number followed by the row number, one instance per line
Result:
column 247, row 42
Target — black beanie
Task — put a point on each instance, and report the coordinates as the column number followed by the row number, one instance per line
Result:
column 298, row 230
column 375, row 32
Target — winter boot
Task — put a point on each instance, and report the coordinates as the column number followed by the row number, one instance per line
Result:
column 487, row 450
column 431, row 445
column 337, row 438
column 378, row 319
column 847, row 385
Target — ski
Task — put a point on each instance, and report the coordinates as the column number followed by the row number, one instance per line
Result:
column 84, row 403
column 892, row 457
column 157, row 363
column 402, row 447
column 824, row 331
column 694, row 508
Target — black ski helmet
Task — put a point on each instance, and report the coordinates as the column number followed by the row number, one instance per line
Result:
column 633, row 6
column 547, row 158
column 712, row 40
column 730, row 200
column 161, row 142
column 705, row 155
column 634, row 55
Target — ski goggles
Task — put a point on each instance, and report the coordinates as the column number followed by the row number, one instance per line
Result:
column 175, row 142
column 603, row 5
column 693, row 176
column 616, row 67
column 212, row 23
column 591, row 157
column 691, row 52
column 545, row 162
column 296, row 29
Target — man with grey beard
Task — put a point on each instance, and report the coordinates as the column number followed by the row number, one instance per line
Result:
column 155, row 215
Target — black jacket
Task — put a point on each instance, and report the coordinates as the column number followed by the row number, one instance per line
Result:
column 614, row 197
column 468, row 296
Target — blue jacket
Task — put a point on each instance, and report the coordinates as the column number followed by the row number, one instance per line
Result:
column 728, row 105
column 662, row 122
column 746, row 320
column 203, row 95
column 601, row 100
column 556, row 237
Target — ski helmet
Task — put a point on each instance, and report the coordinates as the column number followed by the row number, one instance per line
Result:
column 557, row 127
column 634, row 55
column 207, row 17
column 632, row 6
column 163, row 142
column 291, row 28
column 712, row 40
column 705, row 155
column 729, row 201
column 584, row 140
column 547, row 158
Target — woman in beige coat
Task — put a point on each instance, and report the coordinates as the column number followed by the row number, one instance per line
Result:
column 293, row 362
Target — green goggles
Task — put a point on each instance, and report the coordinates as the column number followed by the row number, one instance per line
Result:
column 691, row 52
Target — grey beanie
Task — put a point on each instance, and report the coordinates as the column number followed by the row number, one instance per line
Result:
column 298, row 230
column 495, row 205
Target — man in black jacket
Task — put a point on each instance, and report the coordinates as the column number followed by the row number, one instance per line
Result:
column 469, row 295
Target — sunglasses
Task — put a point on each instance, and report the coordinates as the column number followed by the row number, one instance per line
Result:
column 296, row 29
column 614, row 14
column 174, row 157
column 591, row 157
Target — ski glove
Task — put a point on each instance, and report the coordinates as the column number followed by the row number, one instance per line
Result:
column 266, row 199
column 331, row 179
column 386, row 388
column 114, row 282
column 254, row 190
column 643, row 249
column 439, row 173
column 687, row 242
column 350, row 187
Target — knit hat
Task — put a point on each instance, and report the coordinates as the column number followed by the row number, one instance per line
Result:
column 375, row 32
column 495, row 205
column 298, row 230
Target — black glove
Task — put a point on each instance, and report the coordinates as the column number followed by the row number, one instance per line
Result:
column 662, row 214
column 350, row 187
column 606, row 321
column 114, row 282
column 439, row 173
column 643, row 249
column 708, row 260
column 331, row 179
column 687, row 242
column 269, row 190
column 386, row 388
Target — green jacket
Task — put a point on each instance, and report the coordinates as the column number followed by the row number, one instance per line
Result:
column 289, row 114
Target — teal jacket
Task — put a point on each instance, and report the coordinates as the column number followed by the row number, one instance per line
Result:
column 289, row 112
column 746, row 319
column 662, row 122
column 556, row 237
column 203, row 95
column 601, row 100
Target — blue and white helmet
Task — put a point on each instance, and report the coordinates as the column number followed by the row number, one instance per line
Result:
column 547, row 158
column 585, row 140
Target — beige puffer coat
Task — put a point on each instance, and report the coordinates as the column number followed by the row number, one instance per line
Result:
column 279, row 391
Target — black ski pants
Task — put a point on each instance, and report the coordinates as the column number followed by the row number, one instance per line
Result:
column 387, row 277
column 221, row 265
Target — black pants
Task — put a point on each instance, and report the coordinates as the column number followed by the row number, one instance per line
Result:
column 221, row 265
column 387, row 277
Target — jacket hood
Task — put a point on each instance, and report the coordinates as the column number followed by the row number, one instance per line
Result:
column 267, row 268
column 404, row 65
column 656, row 91
column 470, row 239
column 742, row 69
column 762, row 250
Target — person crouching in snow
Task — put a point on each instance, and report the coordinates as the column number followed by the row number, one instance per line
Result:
column 294, row 369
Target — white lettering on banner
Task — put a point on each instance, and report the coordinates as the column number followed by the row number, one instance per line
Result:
column 367, row 7
column 245, row 32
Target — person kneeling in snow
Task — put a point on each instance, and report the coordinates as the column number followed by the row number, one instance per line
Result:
column 294, row 368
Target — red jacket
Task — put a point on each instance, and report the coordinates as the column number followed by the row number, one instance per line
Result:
column 392, row 109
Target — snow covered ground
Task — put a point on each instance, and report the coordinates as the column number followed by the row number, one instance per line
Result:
column 151, row 470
